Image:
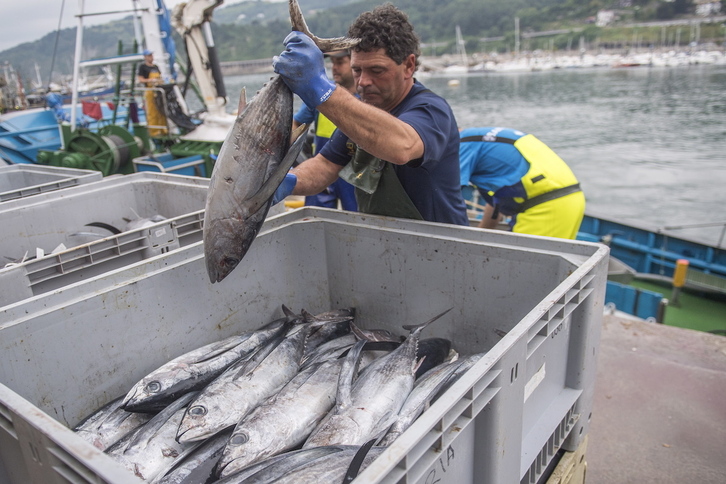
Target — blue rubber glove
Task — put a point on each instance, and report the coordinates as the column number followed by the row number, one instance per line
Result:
column 285, row 188
column 302, row 67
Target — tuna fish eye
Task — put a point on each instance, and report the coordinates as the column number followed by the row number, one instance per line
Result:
column 239, row 439
column 230, row 261
column 153, row 387
column 198, row 411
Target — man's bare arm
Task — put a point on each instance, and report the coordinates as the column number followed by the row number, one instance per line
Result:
column 372, row 129
column 314, row 175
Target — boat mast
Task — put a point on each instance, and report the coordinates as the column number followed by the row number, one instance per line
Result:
column 77, row 64
column 461, row 47
column 153, row 37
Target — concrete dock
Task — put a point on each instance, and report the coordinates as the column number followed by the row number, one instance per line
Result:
column 659, row 413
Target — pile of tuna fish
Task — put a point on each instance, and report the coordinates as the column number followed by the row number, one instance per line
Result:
column 303, row 399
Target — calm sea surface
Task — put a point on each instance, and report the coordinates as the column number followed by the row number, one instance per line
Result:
column 647, row 144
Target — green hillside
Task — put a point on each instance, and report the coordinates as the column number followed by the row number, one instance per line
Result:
column 255, row 29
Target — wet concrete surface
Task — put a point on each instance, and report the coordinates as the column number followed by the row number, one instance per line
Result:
column 659, row 413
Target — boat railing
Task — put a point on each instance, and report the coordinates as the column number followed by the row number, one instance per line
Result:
column 662, row 230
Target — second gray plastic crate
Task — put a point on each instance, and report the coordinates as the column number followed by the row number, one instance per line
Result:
column 20, row 181
column 46, row 221
column 532, row 305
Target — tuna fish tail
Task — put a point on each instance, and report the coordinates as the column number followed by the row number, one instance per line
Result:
column 326, row 45
column 357, row 462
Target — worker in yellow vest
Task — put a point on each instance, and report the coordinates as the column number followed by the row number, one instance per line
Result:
column 149, row 75
column 324, row 128
column 521, row 177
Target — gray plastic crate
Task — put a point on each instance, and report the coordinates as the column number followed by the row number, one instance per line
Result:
column 61, row 217
column 534, row 305
column 20, row 181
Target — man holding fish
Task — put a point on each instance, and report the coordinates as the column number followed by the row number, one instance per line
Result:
column 399, row 147
column 339, row 190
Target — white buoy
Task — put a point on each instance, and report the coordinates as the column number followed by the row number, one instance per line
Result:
column 454, row 82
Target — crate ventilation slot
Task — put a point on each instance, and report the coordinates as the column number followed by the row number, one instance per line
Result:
column 71, row 470
column 550, row 448
column 174, row 233
column 447, row 429
column 6, row 421
column 555, row 315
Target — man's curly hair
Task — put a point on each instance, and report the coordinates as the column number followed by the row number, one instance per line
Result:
column 386, row 27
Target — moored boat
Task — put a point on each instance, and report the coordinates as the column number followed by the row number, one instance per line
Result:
column 110, row 134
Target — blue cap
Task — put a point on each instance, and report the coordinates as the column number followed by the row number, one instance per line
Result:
column 147, row 52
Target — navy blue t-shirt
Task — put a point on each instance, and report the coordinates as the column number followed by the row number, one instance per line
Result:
column 431, row 182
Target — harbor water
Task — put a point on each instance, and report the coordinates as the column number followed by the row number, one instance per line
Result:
column 648, row 144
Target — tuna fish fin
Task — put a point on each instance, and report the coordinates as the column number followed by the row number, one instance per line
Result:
column 378, row 335
column 102, row 225
column 242, row 101
column 358, row 458
column 373, row 346
column 288, row 313
column 418, row 364
column 348, row 371
column 414, row 327
column 267, row 190
column 248, row 364
column 307, row 317
column 326, row 45
column 299, row 131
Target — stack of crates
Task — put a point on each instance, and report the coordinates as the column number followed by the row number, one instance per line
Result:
column 533, row 305
column 66, row 236
column 20, row 181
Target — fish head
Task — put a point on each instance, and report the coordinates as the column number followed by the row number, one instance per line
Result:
column 226, row 243
column 194, row 423
column 144, row 395
column 205, row 416
column 244, row 447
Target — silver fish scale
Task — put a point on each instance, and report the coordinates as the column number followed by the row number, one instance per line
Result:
column 235, row 393
column 331, row 468
column 110, row 424
column 153, row 447
column 375, row 399
column 285, row 420
column 254, row 149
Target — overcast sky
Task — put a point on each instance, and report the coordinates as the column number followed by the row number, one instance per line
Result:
column 29, row 20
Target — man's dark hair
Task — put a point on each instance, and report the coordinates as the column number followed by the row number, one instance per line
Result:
column 386, row 27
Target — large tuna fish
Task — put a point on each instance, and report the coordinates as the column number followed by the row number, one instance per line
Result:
column 366, row 408
column 283, row 421
column 195, row 369
column 252, row 163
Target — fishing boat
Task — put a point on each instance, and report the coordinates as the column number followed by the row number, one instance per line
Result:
column 111, row 134
column 654, row 273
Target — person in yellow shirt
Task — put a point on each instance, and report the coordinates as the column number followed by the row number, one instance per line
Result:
column 149, row 75
column 521, row 177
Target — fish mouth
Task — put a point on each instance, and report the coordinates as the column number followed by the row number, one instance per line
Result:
column 181, row 435
column 215, row 274
column 222, row 468
column 226, row 468
column 192, row 434
column 129, row 400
